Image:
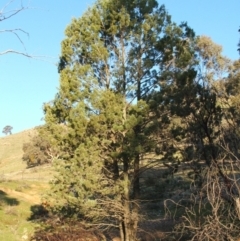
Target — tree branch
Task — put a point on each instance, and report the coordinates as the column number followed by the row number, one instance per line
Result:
column 7, row 14
column 4, row 15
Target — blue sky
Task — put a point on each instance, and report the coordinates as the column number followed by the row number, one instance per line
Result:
column 25, row 84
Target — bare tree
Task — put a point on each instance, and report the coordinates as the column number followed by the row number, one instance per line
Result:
column 9, row 11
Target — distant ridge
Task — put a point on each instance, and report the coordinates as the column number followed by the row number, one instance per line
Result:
column 28, row 131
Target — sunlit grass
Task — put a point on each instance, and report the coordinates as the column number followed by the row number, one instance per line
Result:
column 20, row 188
column 16, row 199
column 14, row 214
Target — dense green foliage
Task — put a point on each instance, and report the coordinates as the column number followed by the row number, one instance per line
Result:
column 138, row 93
column 113, row 58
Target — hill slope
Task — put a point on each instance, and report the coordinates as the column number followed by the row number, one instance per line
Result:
column 11, row 165
column 21, row 188
column 11, row 152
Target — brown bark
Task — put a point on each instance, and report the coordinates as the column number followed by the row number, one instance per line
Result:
column 128, row 227
column 136, row 182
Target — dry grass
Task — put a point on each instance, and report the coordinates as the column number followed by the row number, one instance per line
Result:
column 11, row 152
column 11, row 165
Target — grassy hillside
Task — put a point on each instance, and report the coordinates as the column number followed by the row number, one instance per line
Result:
column 20, row 187
column 11, row 165
column 11, row 152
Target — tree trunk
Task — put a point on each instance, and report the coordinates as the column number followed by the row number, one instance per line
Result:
column 136, row 180
column 115, row 170
column 128, row 228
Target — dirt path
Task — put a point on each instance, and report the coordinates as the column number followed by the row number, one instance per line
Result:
column 31, row 197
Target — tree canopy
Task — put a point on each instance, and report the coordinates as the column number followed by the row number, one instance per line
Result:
column 7, row 130
column 113, row 58
column 137, row 90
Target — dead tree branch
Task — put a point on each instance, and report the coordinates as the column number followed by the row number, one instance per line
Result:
column 6, row 12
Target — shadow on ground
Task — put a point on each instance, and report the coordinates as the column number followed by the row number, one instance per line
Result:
column 6, row 200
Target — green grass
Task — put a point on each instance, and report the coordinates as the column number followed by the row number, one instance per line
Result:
column 14, row 221
column 15, row 211
column 20, row 188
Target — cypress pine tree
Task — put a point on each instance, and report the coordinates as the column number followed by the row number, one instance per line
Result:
column 113, row 59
